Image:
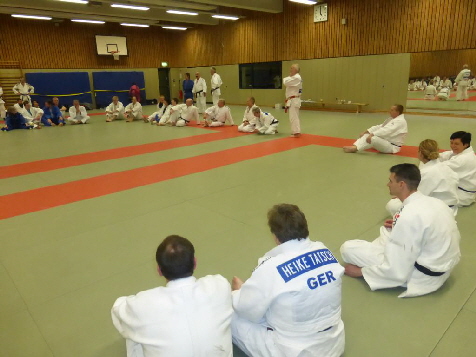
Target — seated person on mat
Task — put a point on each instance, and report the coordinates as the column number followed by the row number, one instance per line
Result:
column 217, row 115
column 387, row 137
column 416, row 250
column 52, row 115
column 186, row 317
column 78, row 114
column 114, row 110
column 133, row 110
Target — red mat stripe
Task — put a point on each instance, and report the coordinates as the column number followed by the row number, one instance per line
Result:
column 57, row 195
column 32, row 167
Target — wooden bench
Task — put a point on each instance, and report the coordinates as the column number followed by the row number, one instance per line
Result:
column 313, row 103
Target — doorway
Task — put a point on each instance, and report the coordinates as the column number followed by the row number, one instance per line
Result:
column 164, row 85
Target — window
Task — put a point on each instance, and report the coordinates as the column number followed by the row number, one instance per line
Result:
column 265, row 75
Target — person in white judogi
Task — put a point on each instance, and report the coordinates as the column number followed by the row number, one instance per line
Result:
column 463, row 82
column 462, row 160
column 78, row 114
column 199, row 90
column 215, row 84
column 114, row 110
column 444, row 93
column 185, row 113
column 387, row 138
column 418, row 85
column 436, row 79
column 163, row 110
column 170, row 116
column 472, row 83
column 31, row 114
column 293, row 84
column 291, row 304
column 446, row 82
column 218, row 115
column 19, row 105
column 430, row 91
column 437, row 179
column 417, row 249
column 186, row 317
column 266, row 124
column 133, row 110
column 249, row 119
column 24, row 90
column 3, row 112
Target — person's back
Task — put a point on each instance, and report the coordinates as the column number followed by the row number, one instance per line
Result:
column 291, row 304
column 187, row 317
column 439, row 181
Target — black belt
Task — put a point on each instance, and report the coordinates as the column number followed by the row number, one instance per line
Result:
column 187, row 121
column 462, row 189
column 396, row 145
column 274, row 122
column 427, row 271
column 197, row 93
column 213, row 89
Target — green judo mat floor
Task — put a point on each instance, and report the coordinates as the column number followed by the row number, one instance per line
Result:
column 62, row 268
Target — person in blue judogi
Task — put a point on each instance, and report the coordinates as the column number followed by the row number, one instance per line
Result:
column 14, row 120
column 52, row 115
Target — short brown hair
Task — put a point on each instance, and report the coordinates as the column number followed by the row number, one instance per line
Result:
column 400, row 108
column 287, row 222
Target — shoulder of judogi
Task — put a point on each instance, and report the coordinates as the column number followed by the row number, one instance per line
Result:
column 215, row 282
column 211, row 109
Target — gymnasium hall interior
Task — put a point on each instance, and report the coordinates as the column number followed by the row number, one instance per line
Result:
column 84, row 207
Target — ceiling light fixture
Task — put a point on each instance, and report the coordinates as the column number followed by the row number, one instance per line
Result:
column 174, row 28
column 76, row 1
column 32, row 17
column 305, row 2
column 88, row 21
column 134, row 25
column 131, row 7
column 179, row 12
column 225, row 17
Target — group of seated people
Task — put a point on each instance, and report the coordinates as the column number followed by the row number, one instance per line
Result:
column 450, row 176
column 291, row 303
column 29, row 115
column 436, row 88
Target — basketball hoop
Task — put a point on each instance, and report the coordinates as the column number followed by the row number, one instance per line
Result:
column 115, row 55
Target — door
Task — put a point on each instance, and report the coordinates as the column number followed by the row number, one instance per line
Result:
column 164, row 84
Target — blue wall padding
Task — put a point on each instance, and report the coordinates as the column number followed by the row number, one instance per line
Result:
column 109, row 84
column 67, row 86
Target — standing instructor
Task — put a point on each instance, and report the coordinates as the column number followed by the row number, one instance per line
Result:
column 293, row 85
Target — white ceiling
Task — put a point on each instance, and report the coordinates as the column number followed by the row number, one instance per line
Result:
column 101, row 10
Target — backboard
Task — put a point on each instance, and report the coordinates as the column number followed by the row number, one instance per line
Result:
column 105, row 45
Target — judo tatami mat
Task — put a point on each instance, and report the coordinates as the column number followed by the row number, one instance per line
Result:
column 62, row 267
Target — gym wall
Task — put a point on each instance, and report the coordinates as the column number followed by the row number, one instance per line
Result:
column 379, row 80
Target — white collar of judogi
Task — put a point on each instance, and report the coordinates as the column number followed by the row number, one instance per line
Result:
column 414, row 196
column 181, row 282
column 288, row 246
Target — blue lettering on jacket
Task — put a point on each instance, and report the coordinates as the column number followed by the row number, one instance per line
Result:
column 305, row 263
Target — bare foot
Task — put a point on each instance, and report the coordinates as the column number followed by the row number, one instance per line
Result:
column 297, row 135
column 350, row 149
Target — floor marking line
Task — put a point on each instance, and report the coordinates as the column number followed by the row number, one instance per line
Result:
column 57, row 195
column 32, row 167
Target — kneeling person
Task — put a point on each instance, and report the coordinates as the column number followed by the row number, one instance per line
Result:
column 417, row 249
column 266, row 124
column 249, row 120
column 387, row 137
column 187, row 317
column 218, row 115
column 291, row 304
column 78, row 114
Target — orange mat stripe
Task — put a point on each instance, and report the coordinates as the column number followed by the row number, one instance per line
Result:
column 117, row 153
column 57, row 195
column 52, row 196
